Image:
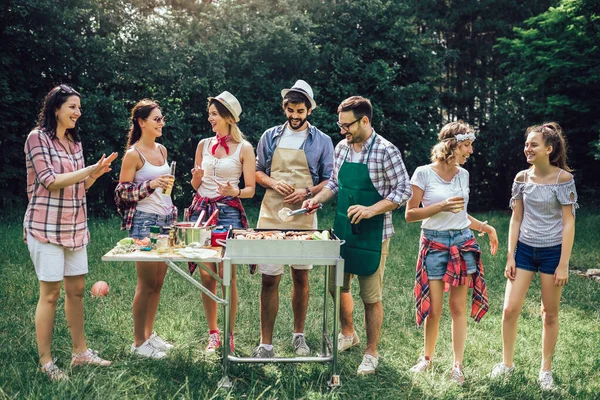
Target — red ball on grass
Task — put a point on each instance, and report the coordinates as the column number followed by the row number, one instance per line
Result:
column 99, row 289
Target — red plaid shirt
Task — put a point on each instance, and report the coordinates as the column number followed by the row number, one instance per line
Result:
column 58, row 216
column 127, row 195
column 456, row 274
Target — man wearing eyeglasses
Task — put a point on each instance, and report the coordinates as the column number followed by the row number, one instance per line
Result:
column 293, row 163
column 370, row 181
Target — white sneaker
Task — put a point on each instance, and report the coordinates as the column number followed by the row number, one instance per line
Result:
column 368, row 365
column 159, row 343
column 344, row 342
column 147, row 350
column 53, row 372
column 501, row 370
column 546, row 380
column 456, row 375
column 422, row 365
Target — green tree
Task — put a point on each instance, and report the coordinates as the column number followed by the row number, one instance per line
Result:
column 553, row 64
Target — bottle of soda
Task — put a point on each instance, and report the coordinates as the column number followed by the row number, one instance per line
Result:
column 355, row 227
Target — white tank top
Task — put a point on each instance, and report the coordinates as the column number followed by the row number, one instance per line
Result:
column 158, row 202
column 219, row 170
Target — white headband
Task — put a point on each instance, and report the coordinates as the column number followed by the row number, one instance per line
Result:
column 461, row 137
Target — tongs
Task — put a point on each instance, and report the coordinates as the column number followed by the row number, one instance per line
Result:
column 286, row 214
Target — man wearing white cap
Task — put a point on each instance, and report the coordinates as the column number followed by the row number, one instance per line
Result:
column 293, row 162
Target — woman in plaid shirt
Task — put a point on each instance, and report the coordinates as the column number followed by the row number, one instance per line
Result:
column 55, row 223
column 145, row 174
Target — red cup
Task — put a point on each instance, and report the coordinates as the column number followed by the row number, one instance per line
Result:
column 217, row 235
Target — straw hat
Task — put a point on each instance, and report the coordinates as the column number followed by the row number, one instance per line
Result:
column 302, row 87
column 231, row 103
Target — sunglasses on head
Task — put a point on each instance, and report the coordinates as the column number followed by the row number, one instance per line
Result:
column 68, row 90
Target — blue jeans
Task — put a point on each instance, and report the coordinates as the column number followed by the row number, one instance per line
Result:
column 228, row 216
column 436, row 261
column 142, row 221
column 542, row 259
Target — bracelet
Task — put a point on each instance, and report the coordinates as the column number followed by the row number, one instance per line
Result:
column 481, row 232
column 239, row 192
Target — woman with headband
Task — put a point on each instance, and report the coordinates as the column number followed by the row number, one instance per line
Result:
column 449, row 254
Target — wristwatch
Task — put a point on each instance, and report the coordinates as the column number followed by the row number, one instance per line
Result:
column 308, row 193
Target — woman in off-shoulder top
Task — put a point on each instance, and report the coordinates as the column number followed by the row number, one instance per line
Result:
column 540, row 239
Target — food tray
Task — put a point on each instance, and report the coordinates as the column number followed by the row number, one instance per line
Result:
column 264, row 248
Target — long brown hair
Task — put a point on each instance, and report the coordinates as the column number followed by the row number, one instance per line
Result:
column 553, row 136
column 141, row 110
column 443, row 151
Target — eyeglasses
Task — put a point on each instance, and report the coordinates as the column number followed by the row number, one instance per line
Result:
column 346, row 127
column 68, row 90
column 159, row 120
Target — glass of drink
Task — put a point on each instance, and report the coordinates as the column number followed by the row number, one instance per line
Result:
column 168, row 190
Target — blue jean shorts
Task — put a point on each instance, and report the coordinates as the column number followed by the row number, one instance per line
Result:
column 542, row 259
column 228, row 216
column 142, row 221
column 436, row 261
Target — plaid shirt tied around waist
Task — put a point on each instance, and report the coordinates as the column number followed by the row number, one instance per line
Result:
column 209, row 205
column 456, row 274
column 127, row 195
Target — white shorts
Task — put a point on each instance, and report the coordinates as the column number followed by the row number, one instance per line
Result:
column 277, row 269
column 53, row 262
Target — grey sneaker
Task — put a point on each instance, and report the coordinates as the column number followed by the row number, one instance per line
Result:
column 300, row 346
column 344, row 343
column 501, row 370
column 261, row 352
column 546, row 380
column 422, row 365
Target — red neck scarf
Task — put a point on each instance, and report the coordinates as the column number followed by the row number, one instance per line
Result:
column 222, row 141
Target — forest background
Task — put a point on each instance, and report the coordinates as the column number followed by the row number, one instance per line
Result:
column 500, row 65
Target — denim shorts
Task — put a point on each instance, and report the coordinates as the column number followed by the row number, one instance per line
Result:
column 228, row 216
column 142, row 221
column 542, row 259
column 436, row 262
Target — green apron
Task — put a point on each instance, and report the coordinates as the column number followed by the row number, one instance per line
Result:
column 362, row 251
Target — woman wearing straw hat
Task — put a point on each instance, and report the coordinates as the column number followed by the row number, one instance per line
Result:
column 220, row 162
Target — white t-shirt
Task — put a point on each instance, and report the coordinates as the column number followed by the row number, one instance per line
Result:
column 291, row 139
column 353, row 156
column 437, row 190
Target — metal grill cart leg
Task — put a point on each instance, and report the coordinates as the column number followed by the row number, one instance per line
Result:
column 339, row 281
column 325, row 342
column 225, row 382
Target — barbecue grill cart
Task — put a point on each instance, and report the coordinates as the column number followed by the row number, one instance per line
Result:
column 262, row 251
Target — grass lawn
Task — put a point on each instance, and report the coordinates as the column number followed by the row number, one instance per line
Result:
column 189, row 373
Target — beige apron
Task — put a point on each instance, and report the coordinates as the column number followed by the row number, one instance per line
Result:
column 287, row 165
